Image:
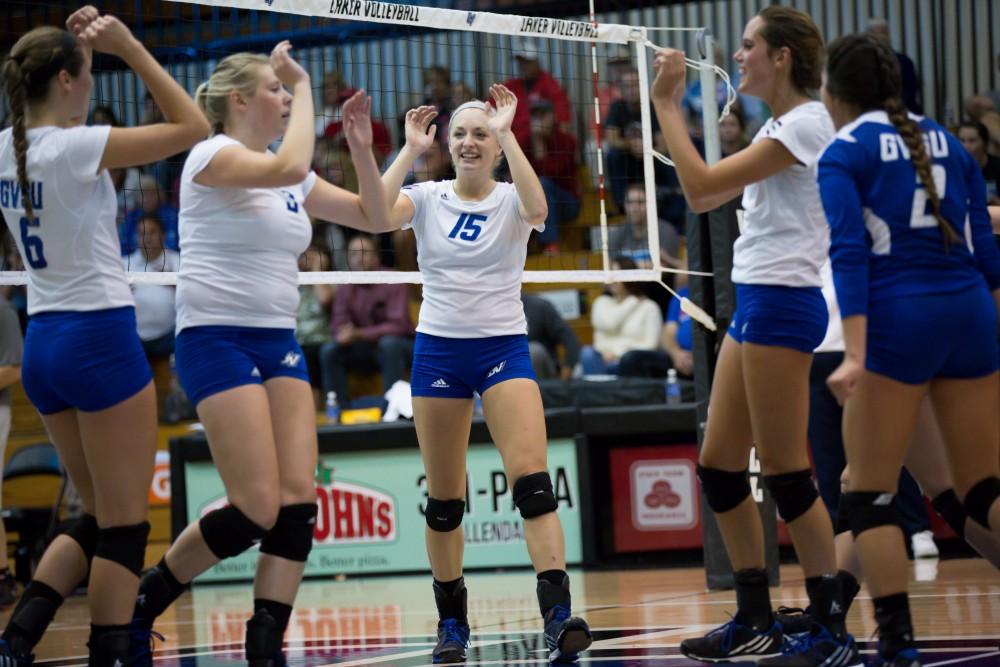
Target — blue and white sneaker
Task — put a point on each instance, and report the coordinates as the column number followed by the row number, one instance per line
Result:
column 817, row 648
column 453, row 641
column 9, row 659
column 733, row 642
column 566, row 635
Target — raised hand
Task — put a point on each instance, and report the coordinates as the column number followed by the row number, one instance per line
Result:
column 104, row 34
column 419, row 131
column 505, row 104
column 356, row 112
column 285, row 68
column 671, row 75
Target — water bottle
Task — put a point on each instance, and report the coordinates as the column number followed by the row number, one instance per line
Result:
column 174, row 383
column 477, row 404
column 672, row 387
column 332, row 409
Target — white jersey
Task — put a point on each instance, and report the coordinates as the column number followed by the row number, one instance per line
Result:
column 785, row 238
column 154, row 304
column 71, row 250
column 240, row 249
column 471, row 256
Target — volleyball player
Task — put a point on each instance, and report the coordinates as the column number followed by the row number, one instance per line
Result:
column 760, row 392
column 472, row 235
column 912, row 251
column 84, row 368
column 244, row 221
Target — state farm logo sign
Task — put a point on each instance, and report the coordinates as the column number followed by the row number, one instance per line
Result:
column 348, row 514
column 663, row 495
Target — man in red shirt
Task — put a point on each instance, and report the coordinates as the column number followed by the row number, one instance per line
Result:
column 381, row 141
column 535, row 84
column 370, row 324
column 552, row 153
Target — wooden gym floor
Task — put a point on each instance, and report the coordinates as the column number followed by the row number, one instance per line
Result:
column 639, row 618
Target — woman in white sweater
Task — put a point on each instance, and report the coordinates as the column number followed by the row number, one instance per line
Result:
column 623, row 321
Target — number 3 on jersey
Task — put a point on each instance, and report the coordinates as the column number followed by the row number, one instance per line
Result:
column 466, row 228
column 34, row 253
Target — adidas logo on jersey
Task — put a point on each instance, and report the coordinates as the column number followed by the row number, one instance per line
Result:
column 835, row 608
column 440, row 384
column 255, row 372
column 883, row 500
column 291, row 359
column 496, row 369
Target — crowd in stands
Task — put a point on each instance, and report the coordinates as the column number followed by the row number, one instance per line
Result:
column 638, row 330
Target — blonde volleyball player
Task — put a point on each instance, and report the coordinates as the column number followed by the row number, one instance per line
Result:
column 84, row 368
column 472, row 236
column 760, row 394
column 244, row 221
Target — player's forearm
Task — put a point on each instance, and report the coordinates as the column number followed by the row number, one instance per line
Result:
column 395, row 175
column 529, row 188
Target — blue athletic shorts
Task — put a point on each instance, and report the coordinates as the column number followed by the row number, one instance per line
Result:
column 212, row 359
column 455, row 367
column 915, row 339
column 794, row 317
column 89, row 360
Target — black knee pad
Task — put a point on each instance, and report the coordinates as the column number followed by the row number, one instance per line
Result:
column 950, row 508
column 444, row 516
column 980, row 499
column 723, row 489
column 83, row 531
column 793, row 492
column 229, row 532
column 533, row 495
column 291, row 536
column 869, row 509
column 125, row 545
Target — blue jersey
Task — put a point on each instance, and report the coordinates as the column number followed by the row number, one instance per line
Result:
column 884, row 240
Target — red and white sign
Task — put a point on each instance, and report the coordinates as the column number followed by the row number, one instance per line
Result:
column 663, row 495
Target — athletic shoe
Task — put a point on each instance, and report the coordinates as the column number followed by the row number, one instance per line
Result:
column 817, row 648
column 565, row 635
column 794, row 621
column 9, row 659
column 908, row 657
column 453, row 641
column 733, row 642
column 923, row 545
column 263, row 641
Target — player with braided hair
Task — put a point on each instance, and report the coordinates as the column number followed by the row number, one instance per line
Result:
column 912, row 250
column 84, row 367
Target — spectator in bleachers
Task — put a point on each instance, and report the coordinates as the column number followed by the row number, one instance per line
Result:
column 150, row 201
column 980, row 109
column 624, row 319
column 534, row 83
column 460, row 94
column 631, row 238
column 333, row 162
column 623, row 114
column 334, row 89
column 974, row 136
column 618, row 64
column 334, row 129
column 908, row 71
column 312, row 319
column 755, row 112
column 552, row 153
column 437, row 93
column 103, row 115
column 370, row 324
column 675, row 342
column 547, row 331
column 11, row 349
column 733, row 131
column 154, row 304
column 670, row 203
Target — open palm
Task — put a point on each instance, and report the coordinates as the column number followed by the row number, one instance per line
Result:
column 356, row 112
column 419, row 131
column 505, row 103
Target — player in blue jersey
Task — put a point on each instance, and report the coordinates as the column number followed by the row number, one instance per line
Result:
column 760, row 394
column 84, row 367
column 912, row 252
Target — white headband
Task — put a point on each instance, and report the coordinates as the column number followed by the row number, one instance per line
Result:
column 471, row 104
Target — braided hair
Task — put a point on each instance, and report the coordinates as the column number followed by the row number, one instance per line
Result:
column 863, row 71
column 35, row 58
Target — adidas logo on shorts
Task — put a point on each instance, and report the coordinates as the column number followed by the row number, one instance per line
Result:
column 255, row 372
column 440, row 384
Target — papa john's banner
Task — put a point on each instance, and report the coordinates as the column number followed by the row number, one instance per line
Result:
column 371, row 518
